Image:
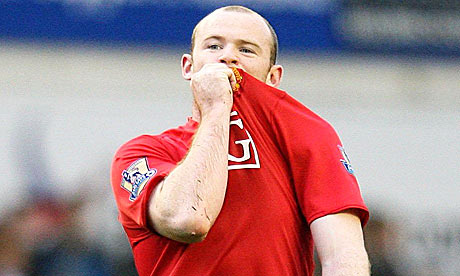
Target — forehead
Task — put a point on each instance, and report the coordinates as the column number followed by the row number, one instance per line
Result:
column 232, row 24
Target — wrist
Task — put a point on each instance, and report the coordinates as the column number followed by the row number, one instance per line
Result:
column 217, row 111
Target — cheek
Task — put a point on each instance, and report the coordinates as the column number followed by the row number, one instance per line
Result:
column 259, row 70
column 201, row 60
column 197, row 65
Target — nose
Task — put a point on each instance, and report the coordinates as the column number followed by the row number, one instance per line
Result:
column 228, row 56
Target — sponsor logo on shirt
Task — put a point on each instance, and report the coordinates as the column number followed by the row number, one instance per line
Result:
column 345, row 161
column 136, row 176
column 242, row 151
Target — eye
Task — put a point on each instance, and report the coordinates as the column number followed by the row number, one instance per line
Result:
column 247, row 51
column 214, row 47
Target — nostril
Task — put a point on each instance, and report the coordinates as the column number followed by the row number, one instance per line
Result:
column 228, row 61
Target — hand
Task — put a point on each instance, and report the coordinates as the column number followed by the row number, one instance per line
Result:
column 212, row 87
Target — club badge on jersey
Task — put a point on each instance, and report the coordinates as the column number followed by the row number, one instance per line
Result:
column 345, row 161
column 136, row 176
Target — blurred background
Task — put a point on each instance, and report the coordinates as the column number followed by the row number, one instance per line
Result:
column 80, row 77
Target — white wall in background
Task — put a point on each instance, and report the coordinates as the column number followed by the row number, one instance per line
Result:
column 399, row 119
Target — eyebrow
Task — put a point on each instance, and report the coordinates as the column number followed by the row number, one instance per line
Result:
column 239, row 41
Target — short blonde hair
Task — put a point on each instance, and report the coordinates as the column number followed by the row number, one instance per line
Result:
column 274, row 46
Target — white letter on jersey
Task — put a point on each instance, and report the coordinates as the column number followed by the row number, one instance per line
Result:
column 246, row 143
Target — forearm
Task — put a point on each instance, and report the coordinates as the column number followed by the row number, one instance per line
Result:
column 188, row 202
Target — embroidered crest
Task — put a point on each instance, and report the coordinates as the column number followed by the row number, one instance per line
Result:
column 238, row 78
column 345, row 161
column 136, row 176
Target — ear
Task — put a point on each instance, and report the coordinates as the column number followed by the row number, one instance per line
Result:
column 187, row 66
column 275, row 75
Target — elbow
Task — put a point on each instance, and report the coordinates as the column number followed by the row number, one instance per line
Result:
column 186, row 228
column 190, row 229
column 352, row 263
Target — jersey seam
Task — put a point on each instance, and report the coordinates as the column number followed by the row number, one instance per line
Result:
column 320, row 214
column 275, row 106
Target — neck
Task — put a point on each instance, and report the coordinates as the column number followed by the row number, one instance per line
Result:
column 196, row 115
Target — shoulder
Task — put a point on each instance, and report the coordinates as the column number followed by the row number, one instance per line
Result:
column 166, row 141
column 139, row 145
column 291, row 113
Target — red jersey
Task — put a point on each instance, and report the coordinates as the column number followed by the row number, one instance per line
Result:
column 287, row 167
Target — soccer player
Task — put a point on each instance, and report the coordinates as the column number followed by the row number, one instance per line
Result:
column 250, row 181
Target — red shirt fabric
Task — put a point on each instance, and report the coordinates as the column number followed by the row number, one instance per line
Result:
column 287, row 167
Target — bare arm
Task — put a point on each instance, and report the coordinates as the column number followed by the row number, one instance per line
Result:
column 340, row 245
column 185, row 205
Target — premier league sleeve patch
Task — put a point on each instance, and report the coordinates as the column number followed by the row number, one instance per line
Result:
column 136, row 176
column 345, row 161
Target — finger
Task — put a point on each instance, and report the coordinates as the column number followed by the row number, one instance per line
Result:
column 231, row 77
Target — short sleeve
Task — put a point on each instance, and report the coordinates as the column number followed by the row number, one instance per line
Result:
column 322, row 174
column 138, row 166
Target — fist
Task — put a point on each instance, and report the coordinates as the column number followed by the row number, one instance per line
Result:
column 213, row 86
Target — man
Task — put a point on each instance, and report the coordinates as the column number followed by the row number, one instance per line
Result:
column 252, row 178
